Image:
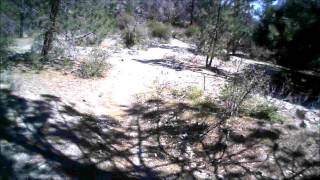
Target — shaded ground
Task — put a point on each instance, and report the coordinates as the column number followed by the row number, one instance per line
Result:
column 160, row 139
column 56, row 125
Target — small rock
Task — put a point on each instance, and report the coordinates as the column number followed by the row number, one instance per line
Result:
column 303, row 124
column 300, row 114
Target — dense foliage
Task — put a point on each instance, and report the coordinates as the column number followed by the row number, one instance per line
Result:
column 292, row 32
column 79, row 19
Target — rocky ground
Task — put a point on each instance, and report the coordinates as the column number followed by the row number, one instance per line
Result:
column 125, row 125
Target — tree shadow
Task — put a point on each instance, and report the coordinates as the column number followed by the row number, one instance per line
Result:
column 174, row 48
column 183, row 66
column 174, row 134
column 49, row 139
column 221, row 72
column 299, row 88
column 33, row 61
column 296, row 87
column 171, row 64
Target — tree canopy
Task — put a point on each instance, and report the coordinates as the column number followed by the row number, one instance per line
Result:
column 292, row 32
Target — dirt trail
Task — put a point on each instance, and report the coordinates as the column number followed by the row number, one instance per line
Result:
column 137, row 72
column 133, row 72
column 118, row 134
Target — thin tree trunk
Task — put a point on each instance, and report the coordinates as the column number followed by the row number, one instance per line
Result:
column 215, row 39
column 48, row 37
column 233, row 42
column 21, row 18
column 21, row 24
column 191, row 12
column 209, row 51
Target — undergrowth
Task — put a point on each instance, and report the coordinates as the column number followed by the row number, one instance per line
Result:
column 95, row 65
column 261, row 109
column 160, row 30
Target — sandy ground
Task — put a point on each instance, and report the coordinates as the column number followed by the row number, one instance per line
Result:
column 133, row 73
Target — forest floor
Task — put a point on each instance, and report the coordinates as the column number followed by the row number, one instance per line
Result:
column 128, row 124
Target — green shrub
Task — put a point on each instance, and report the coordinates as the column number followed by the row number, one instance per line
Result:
column 125, row 20
column 207, row 104
column 129, row 38
column 95, row 66
column 105, row 26
column 276, row 116
column 89, row 39
column 4, row 43
column 175, row 34
column 178, row 34
column 37, row 64
column 4, row 53
column 241, row 88
column 4, row 64
column 35, row 60
column 132, row 36
column 66, row 63
column 6, row 81
column 177, row 93
column 160, row 30
column 192, row 31
column 194, row 93
column 261, row 109
column 177, row 22
column 92, row 68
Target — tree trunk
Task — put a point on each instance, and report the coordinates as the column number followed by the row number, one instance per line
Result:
column 216, row 35
column 21, row 18
column 233, row 43
column 209, row 51
column 191, row 12
column 48, row 37
column 21, row 24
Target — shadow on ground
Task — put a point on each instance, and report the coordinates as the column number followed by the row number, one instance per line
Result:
column 171, row 64
column 292, row 86
column 178, row 49
column 48, row 139
column 295, row 87
column 30, row 129
column 204, row 147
